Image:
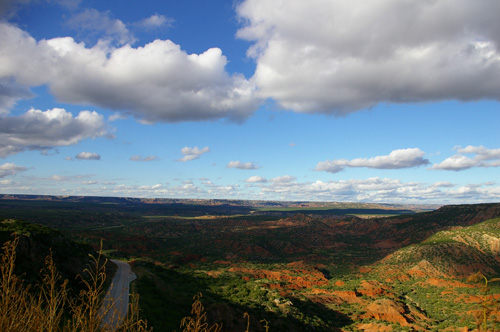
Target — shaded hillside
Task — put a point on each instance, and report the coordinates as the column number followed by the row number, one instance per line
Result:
column 36, row 242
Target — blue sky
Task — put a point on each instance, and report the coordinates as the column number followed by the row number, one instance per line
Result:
column 385, row 101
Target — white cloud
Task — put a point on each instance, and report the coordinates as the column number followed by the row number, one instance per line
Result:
column 155, row 21
column 240, row 165
column 397, row 159
column 444, row 184
column 9, row 169
column 171, row 85
column 192, row 153
column 342, row 56
column 483, row 158
column 383, row 190
column 283, row 179
column 88, row 156
column 68, row 178
column 256, row 179
column 42, row 130
column 189, row 157
column 141, row 158
column 94, row 21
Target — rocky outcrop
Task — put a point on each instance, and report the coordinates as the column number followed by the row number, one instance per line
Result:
column 387, row 310
column 374, row 289
column 299, row 278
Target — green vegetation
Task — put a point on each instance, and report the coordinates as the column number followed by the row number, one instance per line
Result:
column 295, row 273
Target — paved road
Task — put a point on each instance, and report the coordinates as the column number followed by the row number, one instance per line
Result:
column 118, row 295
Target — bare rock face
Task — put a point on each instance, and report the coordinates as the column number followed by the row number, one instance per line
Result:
column 338, row 297
column 387, row 310
column 374, row 327
column 424, row 269
column 374, row 289
column 293, row 278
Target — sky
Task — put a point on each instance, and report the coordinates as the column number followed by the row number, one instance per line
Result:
column 382, row 101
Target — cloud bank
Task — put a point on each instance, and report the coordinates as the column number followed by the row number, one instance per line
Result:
column 383, row 190
column 342, row 56
column 321, row 56
column 397, row 159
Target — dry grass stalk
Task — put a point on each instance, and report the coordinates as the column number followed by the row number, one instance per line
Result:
column 21, row 311
column 198, row 323
column 488, row 303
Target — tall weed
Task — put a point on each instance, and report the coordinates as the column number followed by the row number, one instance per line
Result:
column 51, row 307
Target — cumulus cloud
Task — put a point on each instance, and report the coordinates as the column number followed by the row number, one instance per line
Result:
column 240, row 165
column 342, row 56
column 9, row 169
column 256, row 179
column 483, row 157
column 96, row 22
column 171, row 86
column 88, row 156
column 192, row 153
column 141, row 158
column 42, row 130
column 397, row 159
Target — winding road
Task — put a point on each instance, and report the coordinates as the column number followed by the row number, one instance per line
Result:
column 117, row 297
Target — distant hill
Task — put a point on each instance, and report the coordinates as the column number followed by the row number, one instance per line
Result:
column 255, row 205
